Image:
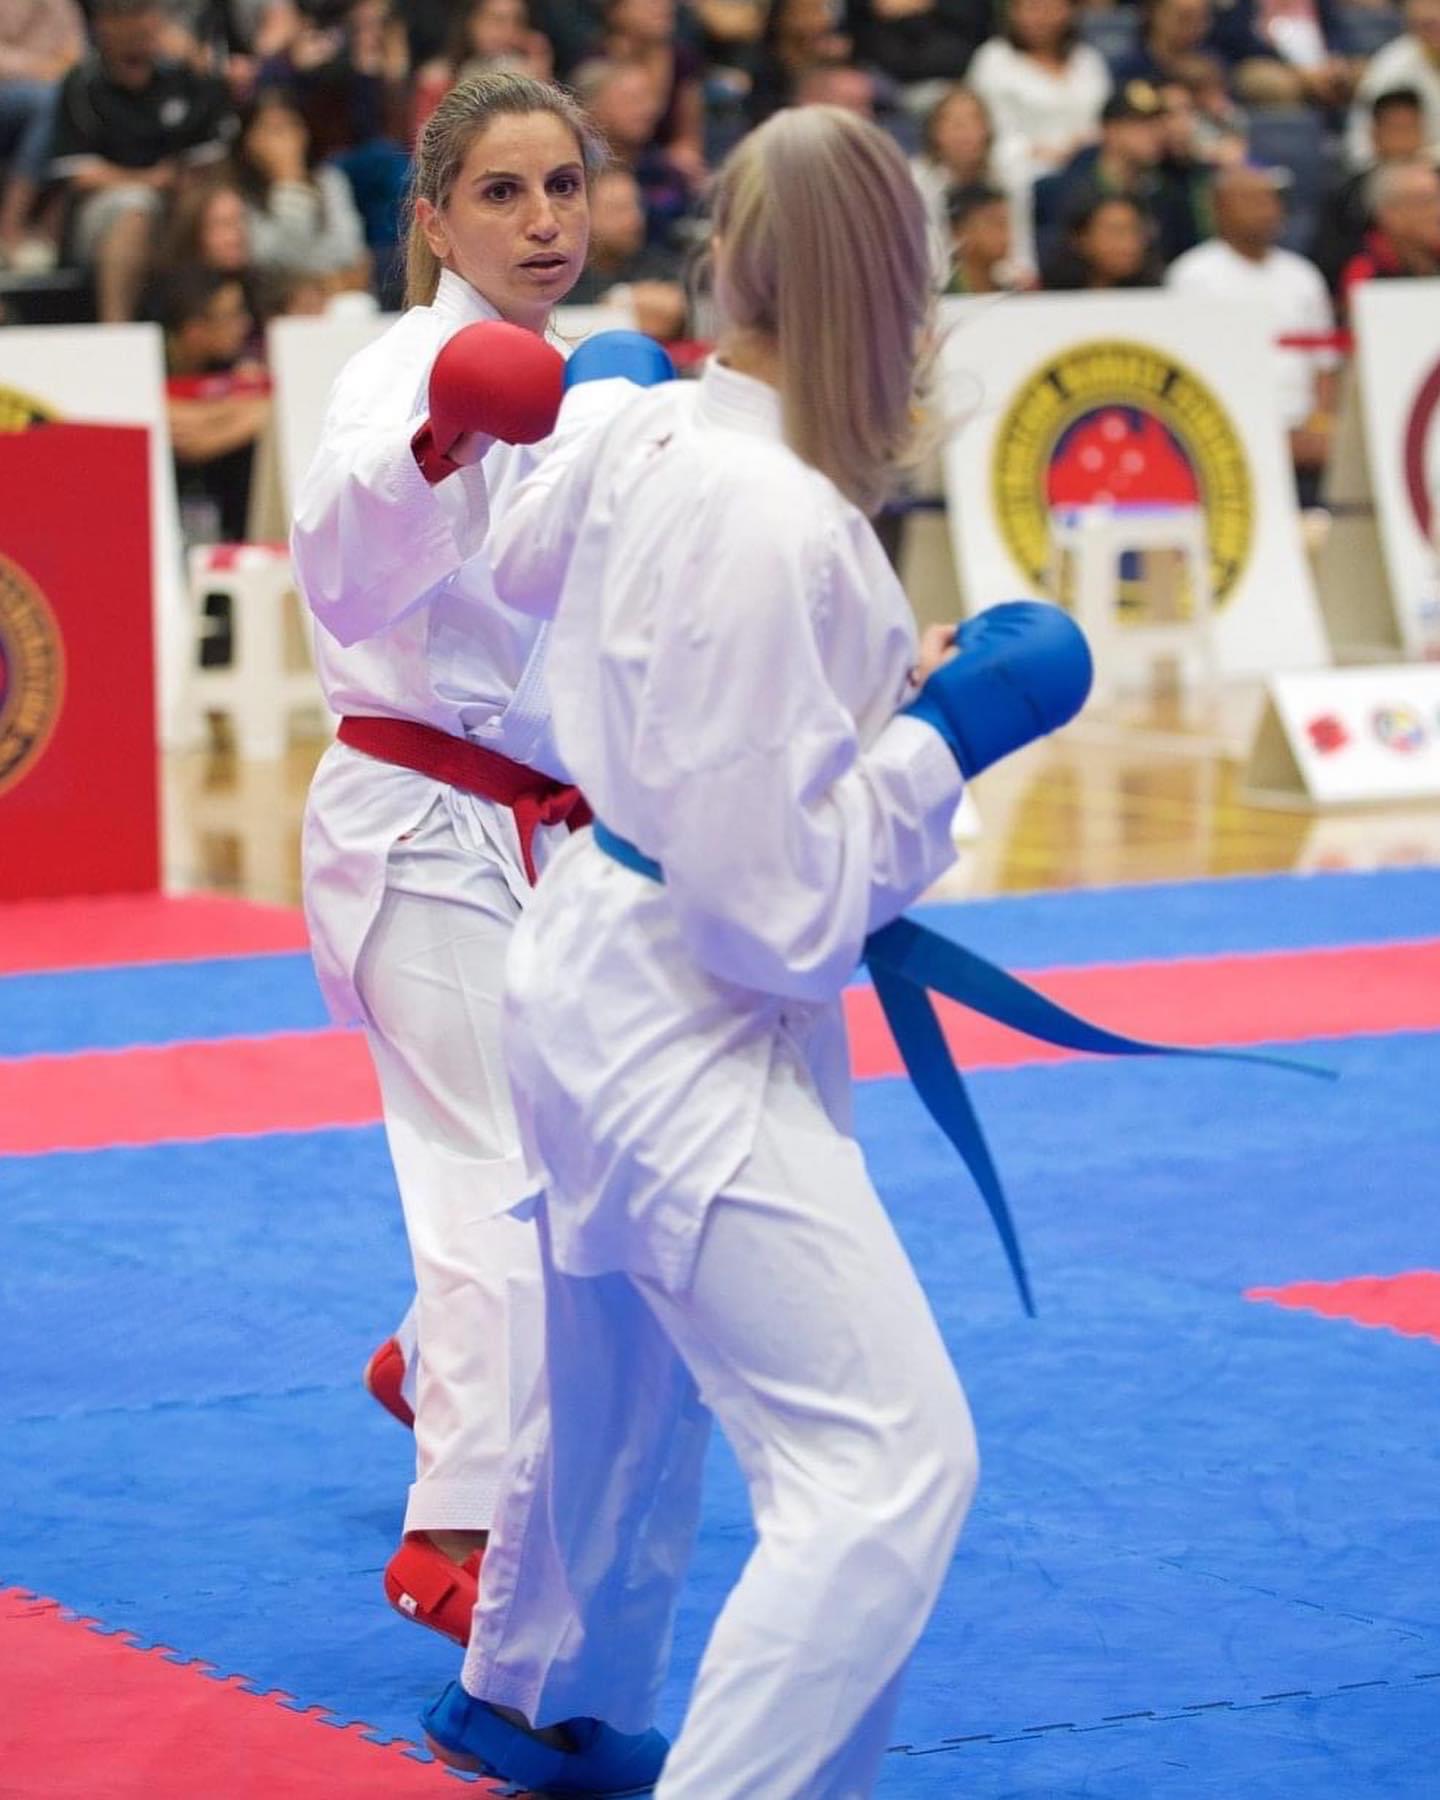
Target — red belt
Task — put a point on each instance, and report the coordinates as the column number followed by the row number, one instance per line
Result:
column 535, row 799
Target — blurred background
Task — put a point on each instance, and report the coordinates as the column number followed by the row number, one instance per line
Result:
column 225, row 171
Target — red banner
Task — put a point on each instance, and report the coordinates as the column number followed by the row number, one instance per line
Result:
column 79, row 811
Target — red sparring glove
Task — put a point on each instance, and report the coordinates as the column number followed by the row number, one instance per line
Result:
column 493, row 379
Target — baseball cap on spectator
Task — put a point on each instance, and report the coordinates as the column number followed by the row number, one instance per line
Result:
column 1135, row 100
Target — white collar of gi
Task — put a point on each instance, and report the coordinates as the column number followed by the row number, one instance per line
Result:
column 740, row 401
column 456, row 299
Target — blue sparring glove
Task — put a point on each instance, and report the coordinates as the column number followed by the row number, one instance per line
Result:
column 1022, row 669
column 628, row 355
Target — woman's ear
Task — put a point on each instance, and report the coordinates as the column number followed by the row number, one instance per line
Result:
column 432, row 223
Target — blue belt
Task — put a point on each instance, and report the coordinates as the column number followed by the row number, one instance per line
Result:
column 908, row 962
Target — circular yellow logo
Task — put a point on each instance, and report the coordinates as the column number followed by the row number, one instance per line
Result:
column 32, row 673
column 1120, row 424
column 19, row 411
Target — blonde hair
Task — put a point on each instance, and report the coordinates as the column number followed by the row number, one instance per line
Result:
column 467, row 110
column 825, row 250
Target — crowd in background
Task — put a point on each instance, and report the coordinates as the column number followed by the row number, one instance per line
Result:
column 211, row 164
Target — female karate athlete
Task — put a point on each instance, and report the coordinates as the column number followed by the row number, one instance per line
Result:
column 737, row 670
column 428, row 820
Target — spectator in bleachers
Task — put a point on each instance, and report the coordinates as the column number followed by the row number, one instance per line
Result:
column 622, row 265
column 208, row 227
column 1404, row 242
column 205, row 316
column 1295, row 50
column 1130, row 161
column 216, row 37
column 1170, row 32
column 1109, row 244
column 955, row 149
column 1409, row 61
column 1220, row 126
column 1193, row 140
column 1397, row 134
column 302, row 215
column 1044, row 89
column 574, row 29
column 430, row 27
column 218, row 403
column 486, row 34
column 838, row 84
column 293, row 294
column 128, row 128
column 981, row 241
column 348, row 65
column 920, row 45
column 644, row 32
column 799, row 35
column 1244, row 261
column 40, row 41
column 731, row 32
column 1173, row 30
column 625, row 102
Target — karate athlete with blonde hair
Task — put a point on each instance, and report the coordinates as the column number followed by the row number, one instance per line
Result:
column 429, row 819
column 737, row 667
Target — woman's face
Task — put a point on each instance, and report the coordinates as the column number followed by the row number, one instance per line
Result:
column 516, row 224
column 225, row 232
column 1113, row 244
column 985, row 235
column 498, row 28
column 962, row 136
column 627, row 109
column 223, row 329
column 1039, row 24
column 1182, row 23
column 276, row 131
column 617, row 219
column 805, row 19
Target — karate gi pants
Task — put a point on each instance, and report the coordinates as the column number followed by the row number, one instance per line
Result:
column 805, row 1332
column 430, row 976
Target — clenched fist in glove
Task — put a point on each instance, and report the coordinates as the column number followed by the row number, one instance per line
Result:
column 490, row 380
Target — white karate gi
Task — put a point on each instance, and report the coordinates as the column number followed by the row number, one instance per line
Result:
column 731, row 647
column 412, row 887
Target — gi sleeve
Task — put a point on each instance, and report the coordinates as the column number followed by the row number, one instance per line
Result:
column 534, row 544
column 784, row 843
column 372, row 540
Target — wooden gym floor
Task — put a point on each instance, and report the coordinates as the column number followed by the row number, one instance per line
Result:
column 1143, row 791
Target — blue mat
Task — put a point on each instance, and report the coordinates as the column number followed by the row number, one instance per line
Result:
column 1203, row 1558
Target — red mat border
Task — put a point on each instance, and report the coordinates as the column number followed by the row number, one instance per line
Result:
column 47, row 936
column 318, row 1080
column 1408, row 1303
column 90, row 1712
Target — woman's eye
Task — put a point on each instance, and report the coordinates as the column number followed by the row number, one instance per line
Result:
column 500, row 190
column 565, row 185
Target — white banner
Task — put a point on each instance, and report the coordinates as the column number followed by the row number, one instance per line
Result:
column 1397, row 350
column 1342, row 737
column 1139, row 408
column 111, row 375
